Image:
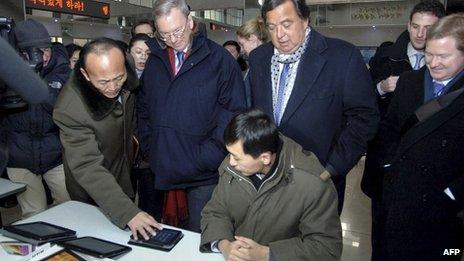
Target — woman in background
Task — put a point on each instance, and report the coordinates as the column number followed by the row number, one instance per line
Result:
column 150, row 200
column 250, row 35
column 73, row 54
column 139, row 50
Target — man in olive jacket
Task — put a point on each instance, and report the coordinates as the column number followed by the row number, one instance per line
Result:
column 95, row 114
column 270, row 203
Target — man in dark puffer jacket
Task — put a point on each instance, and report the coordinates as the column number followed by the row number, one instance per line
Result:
column 31, row 136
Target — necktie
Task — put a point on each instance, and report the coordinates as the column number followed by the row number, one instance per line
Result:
column 179, row 60
column 419, row 58
column 438, row 89
column 278, row 109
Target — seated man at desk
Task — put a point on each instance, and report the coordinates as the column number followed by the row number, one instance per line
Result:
column 270, row 203
column 95, row 114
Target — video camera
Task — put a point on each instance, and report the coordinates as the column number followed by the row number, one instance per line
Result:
column 8, row 98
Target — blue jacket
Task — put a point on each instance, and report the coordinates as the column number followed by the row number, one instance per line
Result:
column 182, row 118
column 332, row 110
column 31, row 136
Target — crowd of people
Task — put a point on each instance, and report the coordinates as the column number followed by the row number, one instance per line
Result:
column 250, row 142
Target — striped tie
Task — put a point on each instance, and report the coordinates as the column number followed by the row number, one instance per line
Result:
column 179, row 61
column 438, row 89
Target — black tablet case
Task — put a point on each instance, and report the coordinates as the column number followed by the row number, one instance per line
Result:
column 12, row 232
column 68, row 245
column 156, row 244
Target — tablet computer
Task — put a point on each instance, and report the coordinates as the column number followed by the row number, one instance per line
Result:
column 165, row 240
column 95, row 247
column 38, row 232
column 63, row 255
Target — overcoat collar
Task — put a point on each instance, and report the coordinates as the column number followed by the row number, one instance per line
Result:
column 97, row 104
column 422, row 129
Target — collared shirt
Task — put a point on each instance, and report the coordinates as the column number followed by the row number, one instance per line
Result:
column 429, row 89
column 186, row 49
column 411, row 52
column 291, row 81
column 445, row 82
column 412, row 55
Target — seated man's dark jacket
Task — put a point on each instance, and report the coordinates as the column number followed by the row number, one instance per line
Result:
column 30, row 134
column 293, row 212
column 182, row 118
column 96, row 133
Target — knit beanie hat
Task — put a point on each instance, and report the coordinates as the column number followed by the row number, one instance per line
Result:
column 31, row 33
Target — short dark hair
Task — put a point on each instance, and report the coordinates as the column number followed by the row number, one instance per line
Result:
column 434, row 7
column 150, row 22
column 136, row 38
column 232, row 43
column 71, row 48
column 300, row 6
column 255, row 130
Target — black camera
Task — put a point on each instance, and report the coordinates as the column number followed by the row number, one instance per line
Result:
column 33, row 55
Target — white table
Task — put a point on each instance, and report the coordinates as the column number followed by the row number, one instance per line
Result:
column 88, row 220
column 7, row 187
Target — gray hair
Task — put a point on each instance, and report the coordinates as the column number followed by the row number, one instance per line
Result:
column 164, row 7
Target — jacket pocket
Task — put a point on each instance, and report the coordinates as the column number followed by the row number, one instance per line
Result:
column 174, row 154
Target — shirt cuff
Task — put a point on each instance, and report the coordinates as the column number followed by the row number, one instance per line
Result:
column 448, row 192
column 379, row 90
column 214, row 246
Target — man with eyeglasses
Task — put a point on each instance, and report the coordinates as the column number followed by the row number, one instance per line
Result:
column 190, row 89
column 317, row 89
column 95, row 114
column 144, row 26
column 30, row 134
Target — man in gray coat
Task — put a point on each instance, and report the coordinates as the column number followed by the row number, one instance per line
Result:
column 270, row 203
column 95, row 114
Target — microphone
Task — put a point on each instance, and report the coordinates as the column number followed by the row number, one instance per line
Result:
column 17, row 75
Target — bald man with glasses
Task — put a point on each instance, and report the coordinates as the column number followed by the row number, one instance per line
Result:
column 190, row 89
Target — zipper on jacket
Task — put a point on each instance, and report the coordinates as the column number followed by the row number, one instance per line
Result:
column 273, row 174
column 257, row 191
column 400, row 60
column 240, row 178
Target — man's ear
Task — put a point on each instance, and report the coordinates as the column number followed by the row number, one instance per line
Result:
column 190, row 22
column 85, row 74
column 266, row 157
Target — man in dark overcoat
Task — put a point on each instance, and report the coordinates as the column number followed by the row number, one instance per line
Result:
column 422, row 148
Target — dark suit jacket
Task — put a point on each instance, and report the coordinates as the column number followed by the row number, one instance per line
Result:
column 419, row 220
column 332, row 110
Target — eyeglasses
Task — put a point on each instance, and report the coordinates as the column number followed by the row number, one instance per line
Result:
column 177, row 33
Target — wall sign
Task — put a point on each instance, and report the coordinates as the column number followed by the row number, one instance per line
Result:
column 77, row 7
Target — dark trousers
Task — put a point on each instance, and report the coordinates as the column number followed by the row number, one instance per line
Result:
column 376, row 233
column 150, row 199
column 197, row 197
